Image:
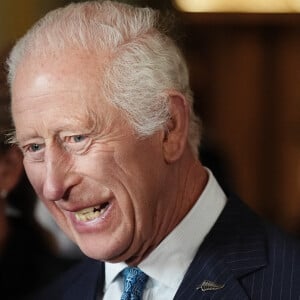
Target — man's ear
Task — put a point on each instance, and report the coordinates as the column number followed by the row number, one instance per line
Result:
column 176, row 130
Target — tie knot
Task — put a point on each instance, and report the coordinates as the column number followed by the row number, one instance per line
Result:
column 134, row 283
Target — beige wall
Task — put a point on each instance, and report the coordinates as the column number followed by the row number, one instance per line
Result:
column 16, row 16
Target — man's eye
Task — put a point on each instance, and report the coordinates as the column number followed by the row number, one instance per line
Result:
column 77, row 143
column 34, row 147
column 34, row 151
column 78, row 138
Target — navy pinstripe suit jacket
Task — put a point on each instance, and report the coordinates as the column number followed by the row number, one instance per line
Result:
column 244, row 256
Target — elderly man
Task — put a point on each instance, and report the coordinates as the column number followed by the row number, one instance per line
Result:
column 103, row 113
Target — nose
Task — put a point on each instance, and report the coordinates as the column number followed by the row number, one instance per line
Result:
column 59, row 177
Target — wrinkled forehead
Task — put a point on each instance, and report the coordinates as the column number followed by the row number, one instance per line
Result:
column 69, row 70
column 68, row 80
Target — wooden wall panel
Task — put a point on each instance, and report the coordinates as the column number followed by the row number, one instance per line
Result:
column 246, row 76
column 289, row 128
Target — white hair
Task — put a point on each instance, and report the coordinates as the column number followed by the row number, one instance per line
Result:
column 144, row 61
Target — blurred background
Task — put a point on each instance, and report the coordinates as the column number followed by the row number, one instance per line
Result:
column 244, row 58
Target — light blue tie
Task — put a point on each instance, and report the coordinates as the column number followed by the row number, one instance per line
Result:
column 134, row 283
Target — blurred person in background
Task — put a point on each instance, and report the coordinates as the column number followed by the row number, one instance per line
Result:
column 28, row 254
column 103, row 113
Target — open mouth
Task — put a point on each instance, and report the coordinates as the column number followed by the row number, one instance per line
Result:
column 91, row 213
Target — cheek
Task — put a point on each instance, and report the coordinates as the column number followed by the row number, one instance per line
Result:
column 141, row 174
column 99, row 167
column 141, row 168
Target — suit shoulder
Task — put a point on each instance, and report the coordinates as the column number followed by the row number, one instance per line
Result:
column 84, row 276
column 283, row 246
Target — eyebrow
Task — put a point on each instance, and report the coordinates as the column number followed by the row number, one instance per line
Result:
column 79, row 124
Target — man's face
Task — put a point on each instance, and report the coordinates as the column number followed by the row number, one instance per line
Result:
column 105, row 187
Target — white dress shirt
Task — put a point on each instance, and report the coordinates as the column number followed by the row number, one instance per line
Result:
column 167, row 264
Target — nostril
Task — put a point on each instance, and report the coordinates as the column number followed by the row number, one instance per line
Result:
column 66, row 194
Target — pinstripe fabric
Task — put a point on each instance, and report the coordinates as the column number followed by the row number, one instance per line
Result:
column 252, row 259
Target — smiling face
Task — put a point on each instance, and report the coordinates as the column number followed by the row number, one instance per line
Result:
column 106, row 188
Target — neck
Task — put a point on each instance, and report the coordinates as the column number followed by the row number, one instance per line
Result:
column 188, row 181
column 192, row 181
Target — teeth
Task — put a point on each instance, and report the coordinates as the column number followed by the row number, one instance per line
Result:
column 90, row 213
column 87, row 216
column 88, row 210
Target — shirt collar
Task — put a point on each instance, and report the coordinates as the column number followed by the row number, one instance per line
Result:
column 169, row 267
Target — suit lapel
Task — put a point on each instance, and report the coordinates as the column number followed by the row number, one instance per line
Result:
column 233, row 248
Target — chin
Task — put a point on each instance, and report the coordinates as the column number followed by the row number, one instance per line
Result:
column 102, row 251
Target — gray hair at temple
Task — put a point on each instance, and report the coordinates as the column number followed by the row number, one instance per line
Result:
column 143, row 63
